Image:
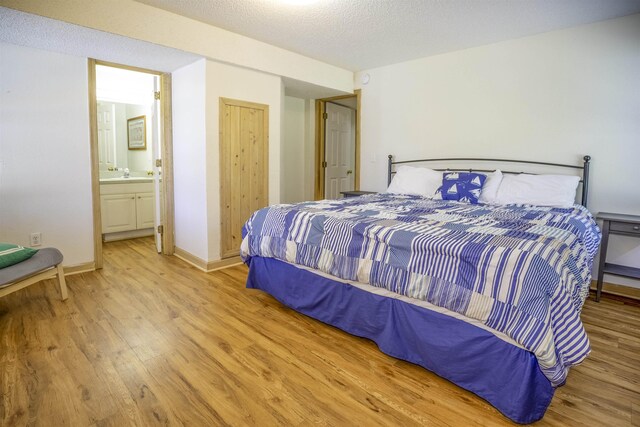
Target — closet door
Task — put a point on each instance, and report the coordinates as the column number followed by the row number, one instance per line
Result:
column 244, row 168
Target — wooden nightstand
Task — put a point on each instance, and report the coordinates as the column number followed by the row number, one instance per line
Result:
column 613, row 223
column 354, row 193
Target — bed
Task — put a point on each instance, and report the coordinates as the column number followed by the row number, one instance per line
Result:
column 487, row 296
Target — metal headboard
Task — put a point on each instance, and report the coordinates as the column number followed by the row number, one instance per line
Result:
column 584, row 168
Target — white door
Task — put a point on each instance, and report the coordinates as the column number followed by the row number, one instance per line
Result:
column 340, row 145
column 106, row 135
column 156, row 154
column 118, row 212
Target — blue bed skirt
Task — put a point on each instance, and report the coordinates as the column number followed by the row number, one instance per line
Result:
column 506, row 376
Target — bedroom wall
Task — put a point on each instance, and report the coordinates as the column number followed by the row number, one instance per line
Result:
column 45, row 176
column 189, row 158
column 298, row 150
column 228, row 81
column 550, row 97
column 310, row 149
column 292, row 170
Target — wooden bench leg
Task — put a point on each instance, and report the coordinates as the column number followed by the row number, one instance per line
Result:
column 62, row 282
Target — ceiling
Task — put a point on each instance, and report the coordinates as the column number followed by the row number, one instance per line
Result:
column 362, row 34
column 25, row 29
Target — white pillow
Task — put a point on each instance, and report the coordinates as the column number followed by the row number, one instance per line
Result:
column 490, row 189
column 418, row 181
column 542, row 190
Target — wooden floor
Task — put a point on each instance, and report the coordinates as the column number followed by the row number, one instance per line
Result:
column 150, row 340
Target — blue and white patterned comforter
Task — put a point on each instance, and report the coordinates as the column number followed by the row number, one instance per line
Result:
column 522, row 270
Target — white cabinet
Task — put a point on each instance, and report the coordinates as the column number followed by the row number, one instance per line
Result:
column 118, row 212
column 145, row 207
column 127, row 207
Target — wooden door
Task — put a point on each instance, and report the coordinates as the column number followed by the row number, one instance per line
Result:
column 339, row 150
column 244, row 168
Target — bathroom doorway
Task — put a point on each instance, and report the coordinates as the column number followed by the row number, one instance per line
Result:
column 130, row 138
column 337, row 168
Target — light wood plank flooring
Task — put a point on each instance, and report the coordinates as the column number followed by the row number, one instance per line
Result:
column 150, row 340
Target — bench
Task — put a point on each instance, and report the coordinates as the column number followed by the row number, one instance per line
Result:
column 45, row 264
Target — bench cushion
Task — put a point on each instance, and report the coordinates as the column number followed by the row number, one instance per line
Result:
column 42, row 260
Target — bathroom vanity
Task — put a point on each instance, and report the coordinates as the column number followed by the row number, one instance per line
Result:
column 127, row 208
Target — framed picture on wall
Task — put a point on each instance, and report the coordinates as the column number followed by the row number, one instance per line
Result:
column 137, row 133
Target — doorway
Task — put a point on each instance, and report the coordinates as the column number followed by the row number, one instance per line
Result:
column 337, row 146
column 131, row 155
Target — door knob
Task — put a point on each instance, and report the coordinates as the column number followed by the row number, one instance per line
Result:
column 349, row 172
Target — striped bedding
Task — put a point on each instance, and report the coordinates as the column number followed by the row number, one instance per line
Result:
column 521, row 270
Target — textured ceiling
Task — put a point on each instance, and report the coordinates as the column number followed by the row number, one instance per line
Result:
column 362, row 34
column 25, row 29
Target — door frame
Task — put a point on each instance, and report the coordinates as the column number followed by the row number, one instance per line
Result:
column 319, row 187
column 166, row 139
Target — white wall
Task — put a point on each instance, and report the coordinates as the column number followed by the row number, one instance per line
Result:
column 298, row 150
column 310, row 149
column 45, row 174
column 228, row 81
column 292, row 168
column 190, row 158
column 550, row 97
column 124, row 86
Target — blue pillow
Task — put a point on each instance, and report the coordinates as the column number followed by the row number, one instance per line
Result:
column 462, row 186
